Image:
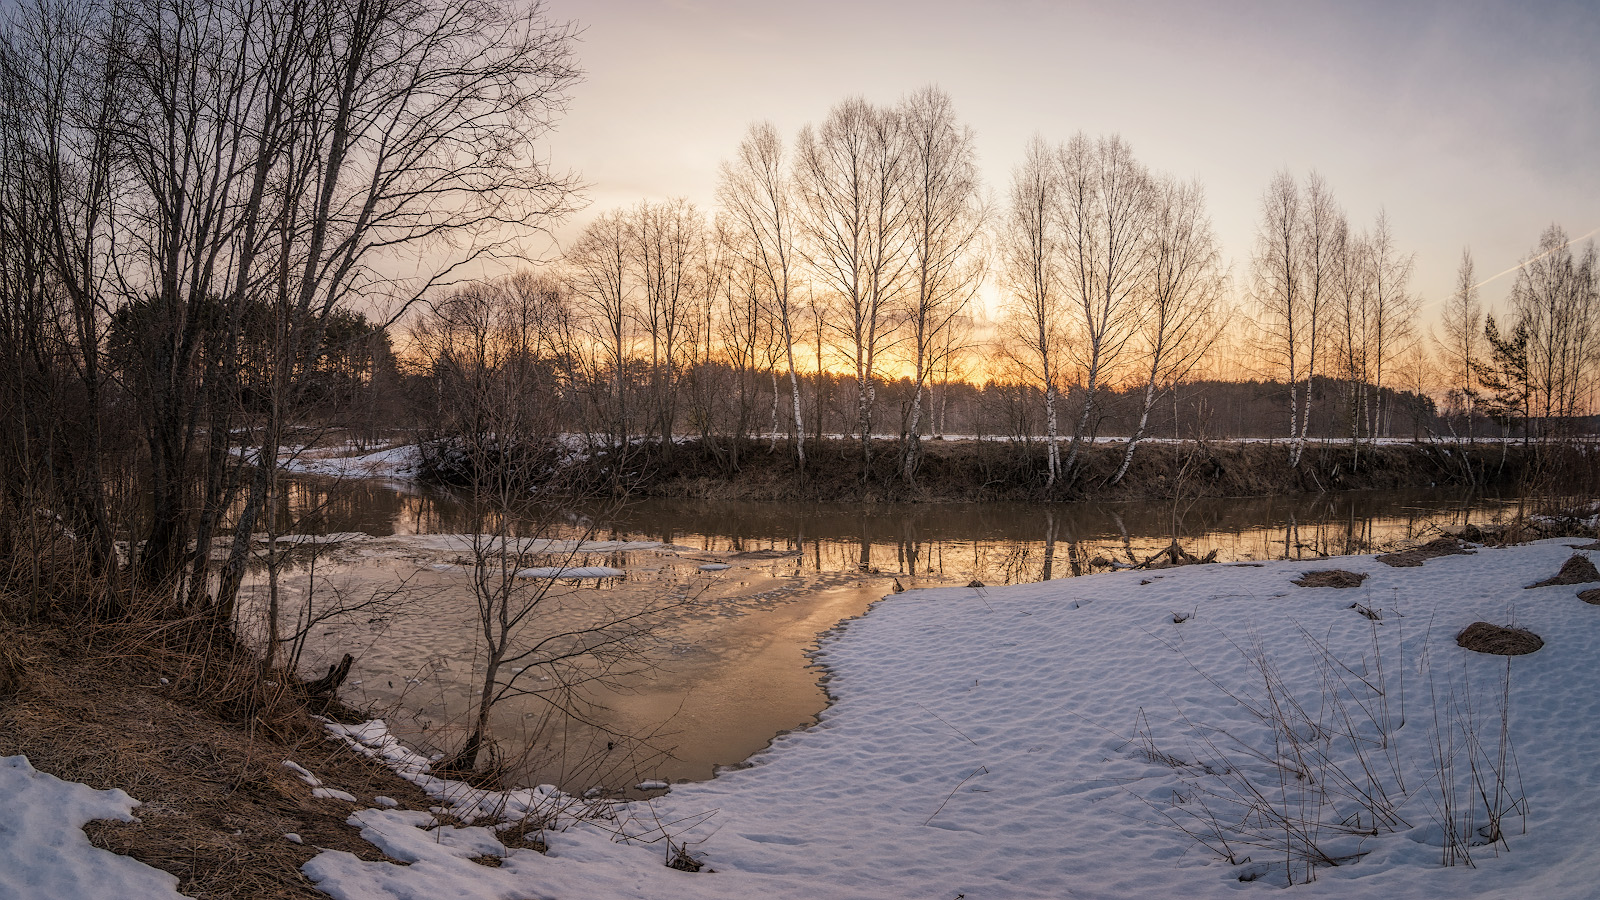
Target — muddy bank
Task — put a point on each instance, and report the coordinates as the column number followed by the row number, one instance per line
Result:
column 968, row 470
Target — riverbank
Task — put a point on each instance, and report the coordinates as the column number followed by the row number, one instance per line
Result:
column 1088, row 738
column 972, row 470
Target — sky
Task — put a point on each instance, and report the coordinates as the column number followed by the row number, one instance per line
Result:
column 1472, row 124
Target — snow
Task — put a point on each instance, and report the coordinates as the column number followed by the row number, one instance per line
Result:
column 988, row 743
column 346, row 461
column 569, row 572
column 44, row 854
column 1044, row 740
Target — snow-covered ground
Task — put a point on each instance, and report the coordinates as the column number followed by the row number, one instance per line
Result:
column 348, row 461
column 1075, row 738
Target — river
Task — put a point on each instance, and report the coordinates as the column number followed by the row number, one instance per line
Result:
column 751, row 585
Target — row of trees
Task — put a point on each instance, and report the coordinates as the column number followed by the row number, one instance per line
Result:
column 195, row 197
column 847, row 262
column 1540, row 370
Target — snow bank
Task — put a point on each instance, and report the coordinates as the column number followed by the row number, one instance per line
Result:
column 569, row 572
column 44, row 854
column 1041, row 740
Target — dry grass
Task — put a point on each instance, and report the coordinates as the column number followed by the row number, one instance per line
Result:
column 1333, row 578
column 1576, row 570
column 1592, row 595
column 1416, row 556
column 1485, row 638
column 217, row 800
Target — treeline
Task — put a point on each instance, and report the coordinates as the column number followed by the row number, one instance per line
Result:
column 835, row 290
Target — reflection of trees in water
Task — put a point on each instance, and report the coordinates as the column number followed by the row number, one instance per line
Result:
column 994, row 542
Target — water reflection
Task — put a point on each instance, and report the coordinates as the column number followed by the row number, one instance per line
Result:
column 733, row 671
column 999, row 543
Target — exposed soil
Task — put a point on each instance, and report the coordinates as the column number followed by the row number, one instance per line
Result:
column 1576, row 570
column 1485, row 638
column 1416, row 556
column 1332, row 578
column 1011, row 470
column 216, row 797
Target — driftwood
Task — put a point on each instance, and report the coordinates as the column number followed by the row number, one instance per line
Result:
column 328, row 684
column 1176, row 556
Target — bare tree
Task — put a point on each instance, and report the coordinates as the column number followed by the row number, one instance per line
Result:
column 1290, row 271
column 495, row 370
column 1556, row 303
column 1181, row 298
column 272, row 163
column 756, row 193
column 946, row 227
column 600, row 263
column 1030, row 248
column 1106, row 203
column 1394, row 314
column 1460, row 342
column 851, row 176
column 668, row 241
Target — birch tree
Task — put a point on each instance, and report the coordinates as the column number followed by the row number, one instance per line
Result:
column 1181, row 300
column 1105, row 207
column 851, row 177
column 946, row 227
column 756, row 192
column 1460, row 338
column 1555, row 303
column 1394, row 316
column 1030, row 251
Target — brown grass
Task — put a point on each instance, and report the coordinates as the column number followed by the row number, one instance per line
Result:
column 1333, row 578
column 1416, row 556
column 1592, row 595
column 1576, row 570
column 217, row 799
column 1485, row 638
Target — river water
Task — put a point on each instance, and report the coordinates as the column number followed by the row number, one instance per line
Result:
column 751, row 586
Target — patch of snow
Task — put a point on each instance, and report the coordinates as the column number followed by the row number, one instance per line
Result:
column 322, row 793
column 992, row 750
column 715, row 567
column 293, row 838
column 44, row 854
column 303, row 772
column 569, row 572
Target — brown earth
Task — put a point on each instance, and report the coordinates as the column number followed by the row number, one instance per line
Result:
column 216, row 797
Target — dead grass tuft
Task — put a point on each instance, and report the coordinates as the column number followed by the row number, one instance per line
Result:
column 1416, row 556
column 13, row 668
column 1485, row 638
column 1576, row 570
column 1592, row 595
column 1333, row 578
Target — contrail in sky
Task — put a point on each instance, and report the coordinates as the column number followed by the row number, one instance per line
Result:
column 1533, row 260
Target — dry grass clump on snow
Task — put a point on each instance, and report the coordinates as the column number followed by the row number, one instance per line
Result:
column 1416, row 556
column 1576, row 570
column 1592, row 595
column 1334, row 578
column 1486, row 638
